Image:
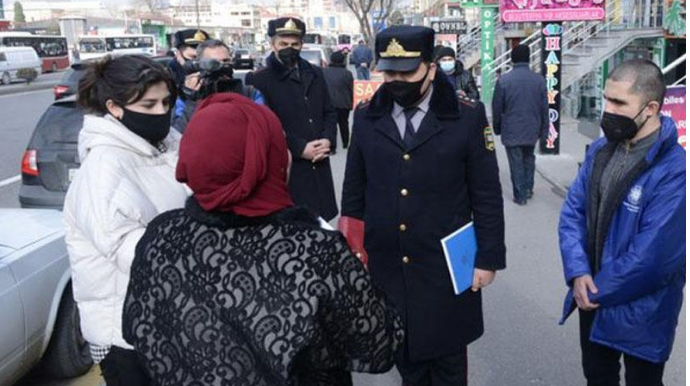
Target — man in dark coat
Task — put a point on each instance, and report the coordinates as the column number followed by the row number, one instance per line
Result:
column 186, row 41
column 296, row 91
column 362, row 58
column 340, row 88
column 421, row 165
column 521, row 116
column 462, row 80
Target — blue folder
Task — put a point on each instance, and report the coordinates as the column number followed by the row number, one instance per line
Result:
column 460, row 248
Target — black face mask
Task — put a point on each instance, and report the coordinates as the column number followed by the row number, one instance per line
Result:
column 152, row 127
column 288, row 56
column 406, row 94
column 619, row 128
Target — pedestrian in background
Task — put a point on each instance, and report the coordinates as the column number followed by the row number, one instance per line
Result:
column 242, row 288
column 622, row 234
column 520, row 110
column 462, row 80
column 362, row 58
column 340, row 87
column 127, row 177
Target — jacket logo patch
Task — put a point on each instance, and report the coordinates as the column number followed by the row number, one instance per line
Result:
column 489, row 138
column 634, row 198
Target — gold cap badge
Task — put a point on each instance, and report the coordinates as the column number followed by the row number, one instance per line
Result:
column 290, row 26
column 396, row 50
column 198, row 37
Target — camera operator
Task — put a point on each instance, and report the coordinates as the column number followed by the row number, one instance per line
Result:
column 211, row 73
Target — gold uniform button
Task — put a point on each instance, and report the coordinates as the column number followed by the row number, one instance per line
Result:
column 403, row 227
column 406, row 259
column 313, row 168
column 406, row 157
column 404, row 192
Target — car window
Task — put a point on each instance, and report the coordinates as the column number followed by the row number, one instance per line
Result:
column 2, row 57
column 311, row 56
column 61, row 123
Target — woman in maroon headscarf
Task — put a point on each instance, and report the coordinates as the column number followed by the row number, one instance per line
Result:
column 241, row 287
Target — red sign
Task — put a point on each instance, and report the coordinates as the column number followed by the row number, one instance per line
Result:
column 521, row 11
column 364, row 90
column 674, row 107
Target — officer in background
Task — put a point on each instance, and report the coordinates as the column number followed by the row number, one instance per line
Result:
column 421, row 165
column 296, row 91
column 186, row 42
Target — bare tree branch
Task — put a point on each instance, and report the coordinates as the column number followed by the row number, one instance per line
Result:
column 362, row 10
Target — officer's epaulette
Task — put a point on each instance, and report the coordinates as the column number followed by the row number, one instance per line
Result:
column 468, row 101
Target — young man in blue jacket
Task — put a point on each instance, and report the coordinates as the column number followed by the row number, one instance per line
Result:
column 622, row 234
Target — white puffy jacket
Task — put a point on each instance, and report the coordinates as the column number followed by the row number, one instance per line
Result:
column 122, row 184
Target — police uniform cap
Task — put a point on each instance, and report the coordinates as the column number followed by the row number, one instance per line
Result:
column 286, row 26
column 190, row 37
column 403, row 48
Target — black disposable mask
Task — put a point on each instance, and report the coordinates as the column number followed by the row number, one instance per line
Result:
column 406, row 94
column 619, row 128
column 152, row 127
column 288, row 56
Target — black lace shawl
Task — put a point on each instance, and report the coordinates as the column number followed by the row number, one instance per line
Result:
column 220, row 299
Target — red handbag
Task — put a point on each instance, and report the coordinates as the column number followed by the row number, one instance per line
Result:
column 353, row 230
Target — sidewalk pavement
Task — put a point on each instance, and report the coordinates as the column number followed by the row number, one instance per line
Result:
column 560, row 170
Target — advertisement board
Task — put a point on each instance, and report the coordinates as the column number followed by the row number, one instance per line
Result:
column 521, row 11
column 674, row 107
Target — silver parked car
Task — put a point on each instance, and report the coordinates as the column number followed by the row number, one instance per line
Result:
column 39, row 321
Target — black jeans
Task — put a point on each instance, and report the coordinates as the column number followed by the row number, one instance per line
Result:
column 344, row 124
column 521, row 160
column 450, row 370
column 602, row 366
column 122, row 367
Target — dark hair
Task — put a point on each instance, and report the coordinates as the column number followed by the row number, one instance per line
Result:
column 648, row 81
column 211, row 43
column 337, row 59
column 124, row 79
column 520, row 54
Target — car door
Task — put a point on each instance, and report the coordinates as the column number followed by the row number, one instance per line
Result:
column 12, row 325
column 3, row 62
column 41, row 274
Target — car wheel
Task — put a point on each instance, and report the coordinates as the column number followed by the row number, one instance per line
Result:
column 53, row 68
column 68, row 354
column 6, row 78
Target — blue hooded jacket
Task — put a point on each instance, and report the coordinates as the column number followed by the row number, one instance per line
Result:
column 642, row 273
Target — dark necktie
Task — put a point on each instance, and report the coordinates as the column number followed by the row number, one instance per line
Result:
column 408, row 139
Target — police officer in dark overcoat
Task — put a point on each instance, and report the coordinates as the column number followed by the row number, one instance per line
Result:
column 422, row 165
column 297, row 93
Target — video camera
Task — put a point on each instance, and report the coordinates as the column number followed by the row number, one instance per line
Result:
column 215, row 76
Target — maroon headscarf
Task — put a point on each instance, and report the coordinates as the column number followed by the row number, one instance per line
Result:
column 233, row 156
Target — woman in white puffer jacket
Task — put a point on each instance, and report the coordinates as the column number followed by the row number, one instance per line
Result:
column 127, row 177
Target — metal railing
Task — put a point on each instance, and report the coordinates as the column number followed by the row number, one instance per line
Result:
column 471, row 42
column 672, row 66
